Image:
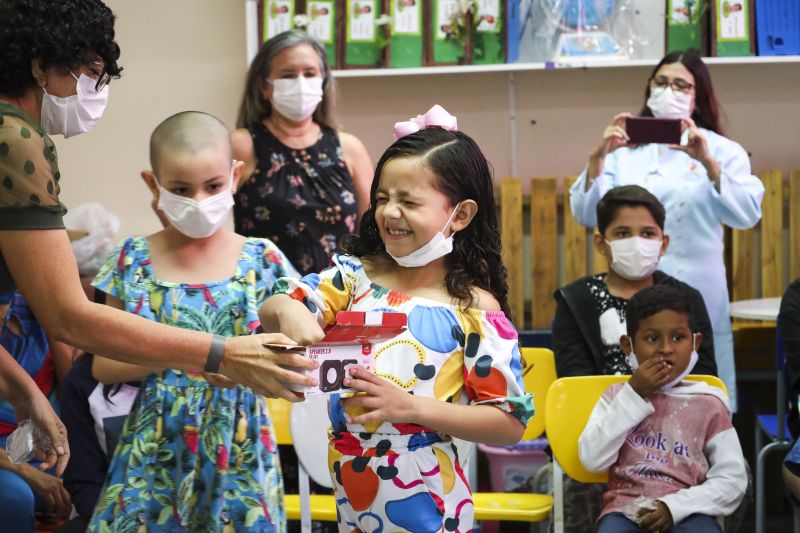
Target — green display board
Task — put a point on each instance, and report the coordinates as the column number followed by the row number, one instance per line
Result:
column 362, row 42
column 488, row 41
column 732, row 28
column 322, row 25
column 277, row 17
column 406, row 44
column 686, row 22
column 444, row 50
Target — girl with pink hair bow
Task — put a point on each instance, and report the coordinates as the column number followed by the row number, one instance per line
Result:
column 429, row 247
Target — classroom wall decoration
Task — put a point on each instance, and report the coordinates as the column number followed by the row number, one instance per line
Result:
column 687, row 23
column 489, row 37
column 364, row 41
column 417, row 33
column 448, row 35
column 277, row 16
column 321, row 15
column 406, row 44
column 732, row 28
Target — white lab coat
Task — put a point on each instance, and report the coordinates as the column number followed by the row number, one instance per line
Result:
column 695, row 213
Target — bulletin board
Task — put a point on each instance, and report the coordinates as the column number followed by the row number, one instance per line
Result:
column 363, row 40
column 443, row 51
column 489, row 40
column 407, row 43
column 275, row 16
column 683, row 33
column 733, row 29
column 322, row 17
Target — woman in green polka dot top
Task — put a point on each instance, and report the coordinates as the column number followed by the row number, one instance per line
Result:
column 56, row 59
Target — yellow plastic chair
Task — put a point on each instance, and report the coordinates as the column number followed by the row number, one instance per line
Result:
column 322, row 506
column 569, row 404
column 538, row 374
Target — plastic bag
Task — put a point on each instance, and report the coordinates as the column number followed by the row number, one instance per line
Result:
column 101, row 228
column 23, row 442
column 569, row 32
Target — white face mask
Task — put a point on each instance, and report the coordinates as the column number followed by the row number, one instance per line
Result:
column 666, row 103
column 77, row 113
column 296, row 98
column 634, row 258
column 634, row 362
column 196, row 219
column 438, row 246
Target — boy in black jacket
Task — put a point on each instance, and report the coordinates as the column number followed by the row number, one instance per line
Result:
column 590, row 312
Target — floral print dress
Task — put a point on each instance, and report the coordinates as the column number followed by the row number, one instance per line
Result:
column 404, row 477
column 193, row 457
column 302, row 200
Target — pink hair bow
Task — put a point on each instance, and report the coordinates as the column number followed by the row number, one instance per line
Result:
column 435, row 117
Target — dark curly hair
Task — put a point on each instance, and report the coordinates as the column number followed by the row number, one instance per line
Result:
column 654, row 299
column 463, row 174
column 59, row 33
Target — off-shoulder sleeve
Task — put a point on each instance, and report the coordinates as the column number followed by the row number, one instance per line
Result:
column 28, row 175
column 493, row 365
column 326, row 293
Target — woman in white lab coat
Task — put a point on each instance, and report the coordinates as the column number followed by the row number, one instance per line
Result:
column 704, row 182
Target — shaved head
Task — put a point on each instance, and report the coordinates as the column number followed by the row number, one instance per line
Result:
column 187, row 133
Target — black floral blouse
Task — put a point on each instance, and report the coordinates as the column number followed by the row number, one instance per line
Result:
column 302, row 200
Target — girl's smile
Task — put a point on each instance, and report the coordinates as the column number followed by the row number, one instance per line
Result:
column 409, row 209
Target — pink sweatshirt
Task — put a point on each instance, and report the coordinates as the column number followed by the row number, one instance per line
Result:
column 678, row 447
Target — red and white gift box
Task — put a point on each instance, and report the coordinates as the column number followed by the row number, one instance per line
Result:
column 349, row 342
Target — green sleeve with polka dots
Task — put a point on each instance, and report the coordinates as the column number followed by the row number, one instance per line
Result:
column 28, row 174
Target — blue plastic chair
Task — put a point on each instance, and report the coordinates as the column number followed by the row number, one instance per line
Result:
column 776, row 430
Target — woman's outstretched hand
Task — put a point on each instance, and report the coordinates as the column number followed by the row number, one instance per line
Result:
column 247, row 361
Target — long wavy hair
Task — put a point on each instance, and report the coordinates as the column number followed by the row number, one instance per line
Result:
column 463, row 174
column 706, row 107
column 254, row 108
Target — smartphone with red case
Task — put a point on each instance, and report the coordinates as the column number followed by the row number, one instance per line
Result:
column 645, row 130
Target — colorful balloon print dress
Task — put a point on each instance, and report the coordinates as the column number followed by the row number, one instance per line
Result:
column 193, row 457
column 391, row 477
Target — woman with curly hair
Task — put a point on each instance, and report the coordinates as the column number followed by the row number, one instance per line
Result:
column 429, row 247
column 56, row 60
